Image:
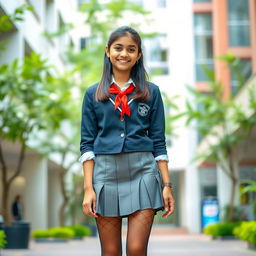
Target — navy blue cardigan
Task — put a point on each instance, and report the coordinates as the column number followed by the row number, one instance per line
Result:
column 102, row 131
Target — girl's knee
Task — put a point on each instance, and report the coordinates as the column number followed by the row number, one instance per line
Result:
column 112, row 252
column 136, row 250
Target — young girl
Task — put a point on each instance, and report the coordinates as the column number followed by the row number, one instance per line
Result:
column 123, row 148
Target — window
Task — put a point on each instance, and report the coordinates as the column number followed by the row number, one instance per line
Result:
column 82, row 43
column 203, row 44
column 238, row 23
column 161, row 3
column 209, row 191
column 90, row 42
column 239, row 78
column 50, row 26
column 158, row 71
column 158, row 55
column 158, row 48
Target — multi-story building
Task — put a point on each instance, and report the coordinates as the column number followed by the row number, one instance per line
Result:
column 221, row 27
column 192, row 34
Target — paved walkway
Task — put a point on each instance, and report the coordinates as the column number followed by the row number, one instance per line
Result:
column 159, row 245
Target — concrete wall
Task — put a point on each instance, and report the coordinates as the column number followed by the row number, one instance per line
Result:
column 35, row 194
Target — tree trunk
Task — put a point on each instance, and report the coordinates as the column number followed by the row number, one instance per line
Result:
column 6, row 183
column 230, row 167
column 5, row 189
column 65, row 198
column 5, row 208
column 64, row 193
column 232, row 201
column 234, row 176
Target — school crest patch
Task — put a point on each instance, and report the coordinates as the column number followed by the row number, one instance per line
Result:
column 143, row 109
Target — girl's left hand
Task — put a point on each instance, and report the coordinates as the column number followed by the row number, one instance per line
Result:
column 169, row 202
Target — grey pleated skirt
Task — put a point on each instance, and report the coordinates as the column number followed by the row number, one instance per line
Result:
column 126, row 182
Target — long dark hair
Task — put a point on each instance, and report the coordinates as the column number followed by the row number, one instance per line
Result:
column 138, row 72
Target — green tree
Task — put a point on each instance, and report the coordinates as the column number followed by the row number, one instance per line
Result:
column 222, row 124
column 64, row 140
column 51, row 96
column 27, row 106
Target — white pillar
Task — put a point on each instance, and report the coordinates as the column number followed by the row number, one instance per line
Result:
column 193, row 206
column 35, row 194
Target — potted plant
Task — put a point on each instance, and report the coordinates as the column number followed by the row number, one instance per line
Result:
column 2, row 240
column 247, row 232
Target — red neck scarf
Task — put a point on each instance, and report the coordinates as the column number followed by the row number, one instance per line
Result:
column 121, row 98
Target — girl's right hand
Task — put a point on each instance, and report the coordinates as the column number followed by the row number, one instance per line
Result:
column 89, row 203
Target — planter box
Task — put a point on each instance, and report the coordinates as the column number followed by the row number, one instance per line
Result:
column 17, row 235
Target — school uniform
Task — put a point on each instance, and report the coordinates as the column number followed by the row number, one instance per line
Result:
column 125, row 149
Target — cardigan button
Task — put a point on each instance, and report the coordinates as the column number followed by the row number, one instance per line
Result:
column 122, row 134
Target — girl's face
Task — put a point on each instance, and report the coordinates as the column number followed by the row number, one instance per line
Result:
column 123, row 54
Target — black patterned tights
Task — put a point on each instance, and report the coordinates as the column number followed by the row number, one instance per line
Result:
column 139, row 228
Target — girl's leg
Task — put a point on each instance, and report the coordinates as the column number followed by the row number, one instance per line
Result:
column 139, row 228
column 109, row 229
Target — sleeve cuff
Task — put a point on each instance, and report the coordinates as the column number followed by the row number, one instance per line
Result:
column 162, row 158
column 86, row 156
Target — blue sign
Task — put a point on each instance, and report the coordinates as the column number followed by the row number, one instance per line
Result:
column 210, row 211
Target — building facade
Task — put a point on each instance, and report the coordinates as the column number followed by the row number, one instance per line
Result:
column 193, row 33
column 222, row 27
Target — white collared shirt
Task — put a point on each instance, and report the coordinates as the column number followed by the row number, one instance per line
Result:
column 125, row 86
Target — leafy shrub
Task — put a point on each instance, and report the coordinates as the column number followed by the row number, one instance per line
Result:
column 246, row 231
column 2, row 239
column 40, row 233
column 221, row 229
column 80, row 231
column 61, row 232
